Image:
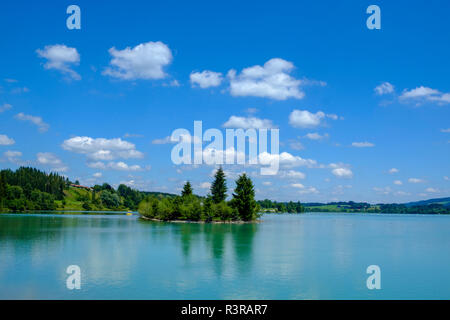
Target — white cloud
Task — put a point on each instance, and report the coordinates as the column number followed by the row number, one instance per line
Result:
column 273, row 80
column 97, row 175
column 61, row 58
column 12, row 156
column 102, row 149
column 309, row 190
column 42, row 126
column 145, row 61
column 415, row 180
column 384, row 88
column 393, row 170
column 398, row 182
column 49, row 159
column 306, row 119
column 297, row 185
column 5, row 140
column 248, row 122
column 5, row 107
column 206, row 79
column 445, row 130
column 446, row 178
column 267, row 183
column 363, row 144
column 432, row 190
column 286, row 159
column 292, row 174
column 421, row 94
column 183, row 138
column 316, row 136
column 205, row 185
column 119, row 166
column 341, row 172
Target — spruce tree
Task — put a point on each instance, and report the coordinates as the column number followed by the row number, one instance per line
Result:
column 187, row 190
column 219, row 187
column 244, row 198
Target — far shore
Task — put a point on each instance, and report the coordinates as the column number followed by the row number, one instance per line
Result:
column 201, row 221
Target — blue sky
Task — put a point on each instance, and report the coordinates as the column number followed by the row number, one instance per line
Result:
column 357, row 102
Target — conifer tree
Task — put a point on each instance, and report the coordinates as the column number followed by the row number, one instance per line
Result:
column 244, row 198
column 187, row 190
column 219, row 187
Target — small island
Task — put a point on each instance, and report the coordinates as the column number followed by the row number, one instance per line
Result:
column 212, row 209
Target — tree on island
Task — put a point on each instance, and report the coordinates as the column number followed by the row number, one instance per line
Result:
column 244, row 199
column 187, row 190
column 219, row 187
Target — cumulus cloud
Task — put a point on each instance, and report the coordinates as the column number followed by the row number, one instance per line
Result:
column 422, row 94
column 445, row 130
column 49, row 159
column 272, row 80
column 101, row 148
column 144, row 61
column 308, row 190
column 97, row 175
column 118, row 166
column 363, row 144
column 4, row 107
column 206, row 79
column 297, row 185
column 292, row 174
column 398, row 182
column 12, row 156
column 205, row 185
column 42, row 126
column 393, row 170
column 5, row 140
column 384, row 88
column 432, row 190
column 248, row 123
column 286, row 159
column 306, row 119
column 62, row 58
column 316, row 136
column 341, row 171
column 415, row 180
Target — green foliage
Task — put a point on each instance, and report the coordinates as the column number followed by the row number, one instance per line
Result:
column 109, row 199
column 282, row 207
column 244, row 199
column 187, row 190
column 219, row 187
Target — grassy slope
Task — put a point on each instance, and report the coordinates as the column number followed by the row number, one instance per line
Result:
column 74, row 200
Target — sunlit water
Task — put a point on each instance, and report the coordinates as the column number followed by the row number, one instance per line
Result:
column 309, row 256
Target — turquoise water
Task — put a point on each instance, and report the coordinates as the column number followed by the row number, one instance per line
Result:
column 310, row 256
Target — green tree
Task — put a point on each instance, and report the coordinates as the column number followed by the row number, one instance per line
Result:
column 187, row 190
column 244, row 199
column 219, row 187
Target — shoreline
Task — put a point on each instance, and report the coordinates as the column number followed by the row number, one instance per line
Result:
column 200, row 221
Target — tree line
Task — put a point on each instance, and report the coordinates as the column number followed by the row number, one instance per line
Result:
column 213, row 207
column 281, row 207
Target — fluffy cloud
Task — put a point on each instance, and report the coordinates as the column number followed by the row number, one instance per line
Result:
column 273, row 80
column 398, row 182
column 42, row 126
column 341, row 172
column 306, row 119
column 97, row 175
column 393, row 170
column 248, row 122
column 309, row 190
column 205, row 185
column 415, row 180
column 5, row 107
column 384, row 88
column 363, row 144
column 102, row 149
column 297, row 185
column 445, row 130
column 49, row 159
column 206, row 79
column 12, row 156
column 145, row 61
column 5, row 140
column 316, row 136
column 286, row 159
column 422, row 94
column 118, row 166
column 61, row 58
column 432, row 190
column 291, row 174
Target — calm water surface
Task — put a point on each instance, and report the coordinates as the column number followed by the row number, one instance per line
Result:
column 309, row 256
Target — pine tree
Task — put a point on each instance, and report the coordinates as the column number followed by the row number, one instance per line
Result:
column 219, row 187
column 244, row 198
column 187, row 190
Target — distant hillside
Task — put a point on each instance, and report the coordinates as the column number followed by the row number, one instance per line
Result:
column 442, row 201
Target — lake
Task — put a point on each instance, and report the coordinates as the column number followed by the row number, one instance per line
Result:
column 308, row 256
